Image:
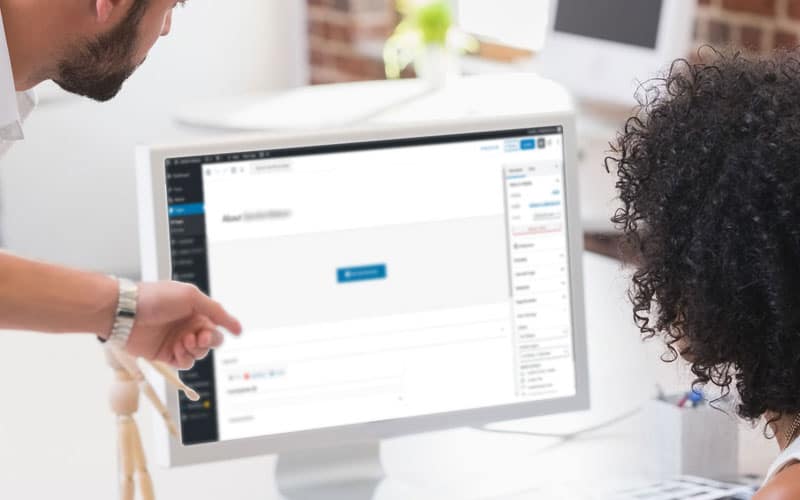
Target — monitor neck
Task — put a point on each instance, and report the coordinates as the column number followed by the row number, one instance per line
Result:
column 350, row 472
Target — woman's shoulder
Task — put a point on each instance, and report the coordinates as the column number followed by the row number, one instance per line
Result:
column 784, row 486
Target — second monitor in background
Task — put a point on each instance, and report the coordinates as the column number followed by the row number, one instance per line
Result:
column 598, row 50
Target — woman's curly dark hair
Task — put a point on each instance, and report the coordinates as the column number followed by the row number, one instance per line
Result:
column 709, row 183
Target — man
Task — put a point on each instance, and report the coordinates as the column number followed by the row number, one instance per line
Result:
column 90, row 47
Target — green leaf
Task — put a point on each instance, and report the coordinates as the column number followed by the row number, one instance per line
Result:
column 434, row 20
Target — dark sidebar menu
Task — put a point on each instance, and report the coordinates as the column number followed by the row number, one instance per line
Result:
column 187, row 228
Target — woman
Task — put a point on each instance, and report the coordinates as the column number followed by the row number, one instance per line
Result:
column 709, row 180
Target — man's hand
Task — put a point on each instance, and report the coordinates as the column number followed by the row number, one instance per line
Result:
column 177, row 324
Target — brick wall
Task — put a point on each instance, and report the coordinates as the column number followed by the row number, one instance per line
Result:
column 345, row 38
column 346, row 35
column 756, row 25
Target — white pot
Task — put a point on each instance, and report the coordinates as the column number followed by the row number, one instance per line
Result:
column 437, row 65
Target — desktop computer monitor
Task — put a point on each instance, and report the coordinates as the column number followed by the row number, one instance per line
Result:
column 599, row 49
column 390, row 281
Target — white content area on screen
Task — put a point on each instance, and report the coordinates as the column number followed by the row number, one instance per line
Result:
column 387, row 283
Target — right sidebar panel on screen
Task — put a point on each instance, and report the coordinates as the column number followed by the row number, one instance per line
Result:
column 538, row 264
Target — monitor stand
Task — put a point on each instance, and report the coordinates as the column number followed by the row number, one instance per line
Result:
column 351, row 472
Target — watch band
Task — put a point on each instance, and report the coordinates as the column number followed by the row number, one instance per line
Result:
column 125, row 314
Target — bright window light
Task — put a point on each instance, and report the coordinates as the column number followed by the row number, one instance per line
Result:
column 518, row 23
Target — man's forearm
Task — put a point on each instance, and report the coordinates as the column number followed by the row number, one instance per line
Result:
column 49, row 298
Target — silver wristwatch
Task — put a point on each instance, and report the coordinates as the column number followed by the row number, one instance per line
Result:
column 126, row 313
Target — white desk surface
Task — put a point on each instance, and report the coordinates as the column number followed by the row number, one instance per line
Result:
column 57, row 434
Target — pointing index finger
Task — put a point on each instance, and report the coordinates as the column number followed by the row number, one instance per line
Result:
column 214, row 311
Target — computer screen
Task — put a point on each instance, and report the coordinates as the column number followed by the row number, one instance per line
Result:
column 376, row 280
column 601, row 19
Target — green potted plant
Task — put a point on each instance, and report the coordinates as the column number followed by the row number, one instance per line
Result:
column 427, row 38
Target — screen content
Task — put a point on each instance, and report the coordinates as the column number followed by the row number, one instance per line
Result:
column 632, row 22
column 377, row 280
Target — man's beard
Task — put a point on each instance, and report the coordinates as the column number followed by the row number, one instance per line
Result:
column 99, row 68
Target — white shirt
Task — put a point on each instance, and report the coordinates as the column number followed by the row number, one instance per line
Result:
column 14, row 106
column 787, row 457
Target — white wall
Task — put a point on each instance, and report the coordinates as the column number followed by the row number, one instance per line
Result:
column 68, row 191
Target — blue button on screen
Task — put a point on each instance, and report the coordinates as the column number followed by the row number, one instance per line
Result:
column 186, row 209
column 527, row 144
column 361, row 273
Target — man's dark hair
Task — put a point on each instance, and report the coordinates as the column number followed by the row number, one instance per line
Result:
column 709, row 180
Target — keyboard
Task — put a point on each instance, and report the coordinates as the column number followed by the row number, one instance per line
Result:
column 679, row 488
column 686, row 487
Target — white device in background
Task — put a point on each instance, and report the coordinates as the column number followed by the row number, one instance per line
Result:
column 516, row 23
column 600, row 49
column 391, row 281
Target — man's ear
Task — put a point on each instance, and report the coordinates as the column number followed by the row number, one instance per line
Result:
column 104, row 9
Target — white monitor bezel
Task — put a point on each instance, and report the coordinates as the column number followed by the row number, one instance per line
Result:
column 592, row 68
column 155, row 256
